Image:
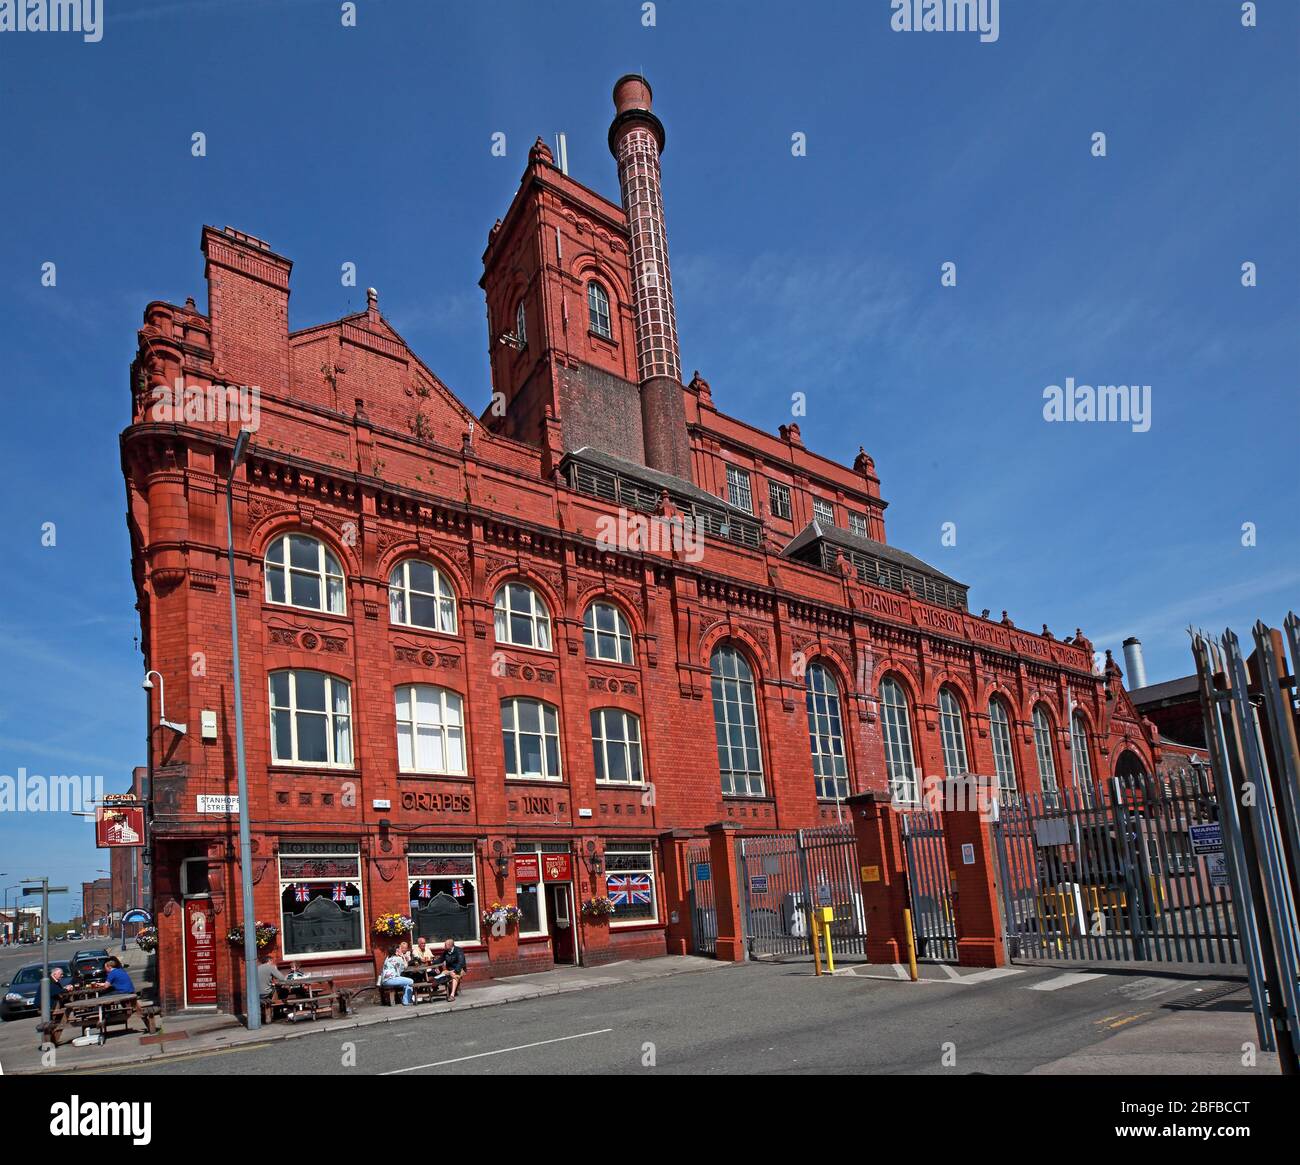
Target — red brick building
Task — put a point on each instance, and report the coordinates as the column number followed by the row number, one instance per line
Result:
column 97, row 906
column 521, row 657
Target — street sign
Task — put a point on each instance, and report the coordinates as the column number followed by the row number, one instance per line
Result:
column 41, row 890
column 1206, row 839
column 209, row 803
column 758, row 884
column 119, row 825
column 703, row 872
column 824, row 894
column 137, row 915
column 1217, row 867
column 967, row 854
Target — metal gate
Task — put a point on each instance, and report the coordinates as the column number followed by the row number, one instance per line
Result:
column 929, row 885
column 1124, row 874
column 782, row 874
column 704, row 918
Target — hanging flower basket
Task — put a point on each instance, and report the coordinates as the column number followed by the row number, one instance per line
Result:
column 265, row 932
column 147, row 939
column 498, row 915
column 392, row 925
column 597, row 908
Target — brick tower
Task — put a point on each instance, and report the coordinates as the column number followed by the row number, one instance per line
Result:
column 636, row 139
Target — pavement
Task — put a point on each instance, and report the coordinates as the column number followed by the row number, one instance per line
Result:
column 690, row 1015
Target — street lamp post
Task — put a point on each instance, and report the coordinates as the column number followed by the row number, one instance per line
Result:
column 251, row 1008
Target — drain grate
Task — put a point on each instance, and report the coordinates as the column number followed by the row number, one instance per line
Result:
column 1207, row 996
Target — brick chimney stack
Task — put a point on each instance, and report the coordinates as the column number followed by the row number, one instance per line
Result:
column 636, row 139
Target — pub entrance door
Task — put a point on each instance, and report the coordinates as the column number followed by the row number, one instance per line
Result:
column 559, row 915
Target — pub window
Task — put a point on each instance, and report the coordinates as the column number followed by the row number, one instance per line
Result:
column 528, row 897
column 605, row 633
column 321, row 908
column 896, row 730
column 778, row 499
column 1004, row 758
column 823, row 512
column 952, row 734
column 738, row 491
column 1043, row 753
column 1079, row 757
column 521, row 618
column 530, row 734
column 430, row 730
column 630, row 883
column 419, row 596
column 302, row 571
column 443, row 883
column 858, row 525
column 616, row 746
column 826, row 733
column 735, row 717
column 598, row 310
column 311, row 719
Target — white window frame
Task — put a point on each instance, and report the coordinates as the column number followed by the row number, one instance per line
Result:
column 744, row 689
column 896, row 736
column 331, row 717
column 778, row 500
column 631, row 849
column 1044, row 753
column 328, row 569
column 858, row 525
column 355, row 855
column 630, row 740
column 952, row 734
column 599, row 315
column 401, row 589
column 620, row 639
column 1080, row 762
column 513, row 755
column 740, row 491
column 450, row 704
column 823, row 511
column 537, row 614
column 1004, row 752
column 825, row 740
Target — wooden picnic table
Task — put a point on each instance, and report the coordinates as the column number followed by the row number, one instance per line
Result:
column 99, row 1012
column 301, row 998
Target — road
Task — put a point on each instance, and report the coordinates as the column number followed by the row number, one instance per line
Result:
column 753, row 1018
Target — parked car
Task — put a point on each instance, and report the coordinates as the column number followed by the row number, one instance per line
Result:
column 88, row 964
column 22, row 995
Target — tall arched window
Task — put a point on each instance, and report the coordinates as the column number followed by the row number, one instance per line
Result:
column 521, row 325
column 896, row 730
column 952, row 734
column 419, row 596
column 735, row 716
column 1079, row 757
column 1004, row 757
column 598, row 310
column 605, row 633
column 301, row 571
column 521, row 618
column 826, row 733
column 1043, row 751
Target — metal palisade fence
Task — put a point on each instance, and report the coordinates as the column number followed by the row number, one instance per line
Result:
column 1249, row 710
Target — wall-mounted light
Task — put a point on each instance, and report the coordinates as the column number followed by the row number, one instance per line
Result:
column 501, row 859
column 595, row 862
column 147, row 684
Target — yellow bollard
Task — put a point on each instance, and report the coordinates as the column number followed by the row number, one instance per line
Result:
column 826, row 917
column 817, row 950
column 911, row 943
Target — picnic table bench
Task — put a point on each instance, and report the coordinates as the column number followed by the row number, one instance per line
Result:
column 304, row 999
column 97, row 1013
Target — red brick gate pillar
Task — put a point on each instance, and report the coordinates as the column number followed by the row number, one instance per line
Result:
column 977, row 911
column 676, row 890
column 726, row 891
column 882, row 871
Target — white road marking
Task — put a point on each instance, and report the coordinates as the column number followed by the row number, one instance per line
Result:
column 498, row 1052
column 991, row 973
column 900, row 971
column 1071, row 979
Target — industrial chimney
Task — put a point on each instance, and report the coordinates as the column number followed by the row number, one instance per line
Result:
column 636, row 139
column 1137, row 672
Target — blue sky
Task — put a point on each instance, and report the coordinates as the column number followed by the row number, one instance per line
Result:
column 817, row 274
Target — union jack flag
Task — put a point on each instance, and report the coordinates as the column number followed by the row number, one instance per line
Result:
column 458, row 889
column 340, row 892
column 425, row 890
column 628, row 889
column 301, row 893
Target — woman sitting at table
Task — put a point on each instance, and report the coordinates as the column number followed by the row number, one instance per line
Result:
column 393, row 975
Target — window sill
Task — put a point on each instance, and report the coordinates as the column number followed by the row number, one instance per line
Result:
column 550, row 652
column 301, row 769
column 344, row 620
column 596, row 661
column 632, row 787
column 542, row 782
column 633, row 927
column 432, row 632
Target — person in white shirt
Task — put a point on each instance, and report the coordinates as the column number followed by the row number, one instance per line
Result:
column 393, row 975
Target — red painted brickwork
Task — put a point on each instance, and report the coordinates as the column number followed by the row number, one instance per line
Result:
column 360, row 445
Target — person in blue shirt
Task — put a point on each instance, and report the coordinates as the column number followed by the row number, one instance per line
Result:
column 116, row 979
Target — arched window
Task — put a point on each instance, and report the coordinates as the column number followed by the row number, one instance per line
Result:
column 1079, row 762
column 301, row 571
column 521, row 325
column 419, row 596
column 896, row 729
column 1043, row 751
column 616, row 746
column 1004, row 757
column 735, row 717
column 606, row 634
column 311, row 719
column 826, row 733
column 598, row 310
column 530, row 732
column 430, row 730
column 521, row 617
column 952, row 734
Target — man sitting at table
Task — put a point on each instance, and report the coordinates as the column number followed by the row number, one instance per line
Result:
column 268, row 975
column 56, row 985
column 423, row 953
column 116, row 979
column 452, row 960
